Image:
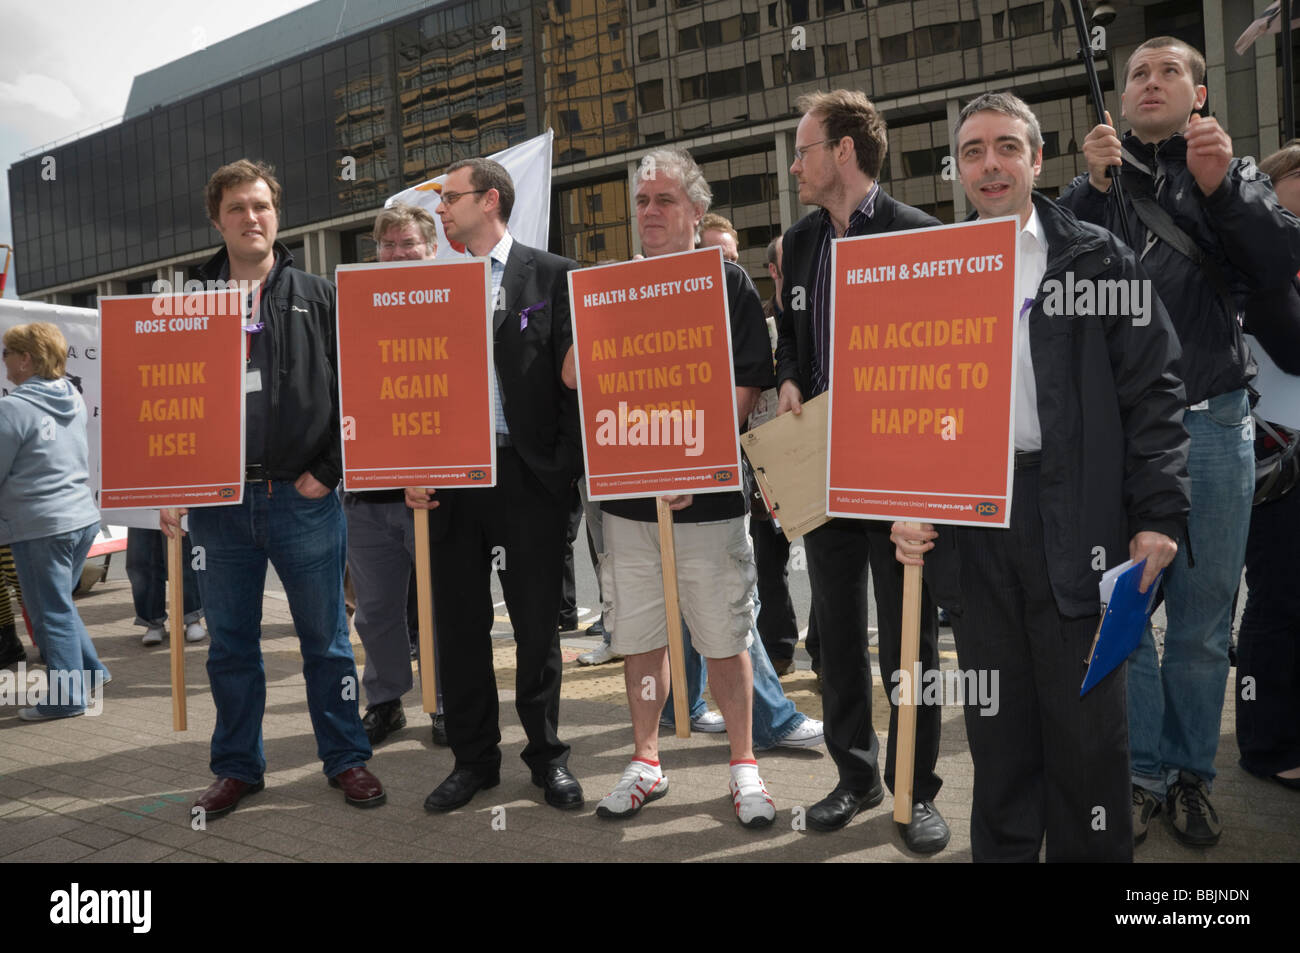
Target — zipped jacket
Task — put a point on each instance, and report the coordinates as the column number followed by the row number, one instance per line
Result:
column 298, row 309
column 1241, row 227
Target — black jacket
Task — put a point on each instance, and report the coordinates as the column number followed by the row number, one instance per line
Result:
column 1110, row 406
column 298, row 309
column 541, row 411
column 794, row 348
column 1274, row 318
column 1241, row 226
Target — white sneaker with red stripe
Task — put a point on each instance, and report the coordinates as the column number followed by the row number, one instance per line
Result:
column 641, row 783
column 754, row 807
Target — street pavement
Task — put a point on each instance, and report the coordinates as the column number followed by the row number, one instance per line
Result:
column 117, row 786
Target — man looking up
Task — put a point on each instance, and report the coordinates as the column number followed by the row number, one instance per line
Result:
column 523, row 517
column 290, row 514
column 1180, row 165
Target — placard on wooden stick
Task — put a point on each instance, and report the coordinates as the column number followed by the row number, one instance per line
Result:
column 923, row 376
column 657, row 395
column 172, row 411
column 416, row 380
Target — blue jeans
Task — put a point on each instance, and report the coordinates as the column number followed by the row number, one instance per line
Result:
column 306, row 541
column 1175, row 707
column 48, row 570
column 146, row 567
column 774, row 715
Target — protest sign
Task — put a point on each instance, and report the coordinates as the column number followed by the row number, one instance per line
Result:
column 416, row 374
column 923, row 337
column 173, row 399
column 656, row 386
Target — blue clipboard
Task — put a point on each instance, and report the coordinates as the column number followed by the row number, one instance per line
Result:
column 1124, row 617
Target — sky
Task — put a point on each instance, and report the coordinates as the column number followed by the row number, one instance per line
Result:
column 66, row 65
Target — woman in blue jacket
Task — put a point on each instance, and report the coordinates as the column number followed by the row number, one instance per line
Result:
column 47, row 513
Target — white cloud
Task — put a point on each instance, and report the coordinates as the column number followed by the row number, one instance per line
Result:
column 44, row 93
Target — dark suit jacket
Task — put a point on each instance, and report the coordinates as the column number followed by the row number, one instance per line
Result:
column 794, row 347
column 540, row 410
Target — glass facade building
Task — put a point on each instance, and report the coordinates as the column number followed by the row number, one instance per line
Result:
column 349, row 122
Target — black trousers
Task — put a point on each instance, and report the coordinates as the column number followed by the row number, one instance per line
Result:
column 518, row 522
column 1268, row 643
column 776, row 620
column 569, row 587
column 839, row 553
column 1047, row 762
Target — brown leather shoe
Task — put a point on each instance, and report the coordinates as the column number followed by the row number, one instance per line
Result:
column 360, row 787
column 223, row 794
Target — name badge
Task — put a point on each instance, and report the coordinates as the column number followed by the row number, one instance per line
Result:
column 253, row 381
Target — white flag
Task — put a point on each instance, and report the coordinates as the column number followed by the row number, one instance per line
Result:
column 529, row 165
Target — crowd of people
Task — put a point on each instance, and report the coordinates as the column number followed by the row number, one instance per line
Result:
column 1132, row 437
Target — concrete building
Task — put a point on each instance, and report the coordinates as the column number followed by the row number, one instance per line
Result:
column 350, row 111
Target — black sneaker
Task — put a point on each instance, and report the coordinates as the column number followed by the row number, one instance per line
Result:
column 1193, row 817
column 1145, row 806
column 383, row 719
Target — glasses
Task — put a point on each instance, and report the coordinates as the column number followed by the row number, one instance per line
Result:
column 451, row 198
column 409, row 245
column 801, row 151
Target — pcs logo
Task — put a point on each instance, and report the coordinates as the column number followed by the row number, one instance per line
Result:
column 226, row 492
column 722, row 476
column 986, row 509
column 477, row 475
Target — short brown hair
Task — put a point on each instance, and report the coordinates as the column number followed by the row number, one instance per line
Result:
column 237, row 173
column 1008, row 104
column 1283, row 162
column 713, row 222
column 1195, row 61
column 487, row 174
column 400, row 216
column 44, row 343
column 847, row 112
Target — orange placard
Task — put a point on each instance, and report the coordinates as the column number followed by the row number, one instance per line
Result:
column 923, row 370
column 656, row 384
column 173, row 399
column 416, row 374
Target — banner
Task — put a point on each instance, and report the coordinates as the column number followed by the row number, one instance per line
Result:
column 529, row 165
column 173, row 399
column 656, row 386
column 416, row 374
column 923, row 345
column 81, row 328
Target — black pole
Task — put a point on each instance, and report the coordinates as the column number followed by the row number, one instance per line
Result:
column 1099, row 104
column 1288, row 79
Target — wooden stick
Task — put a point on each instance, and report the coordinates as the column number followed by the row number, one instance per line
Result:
column 909, row 655
column 676, row 650
column 424, row 598
column 176, row 610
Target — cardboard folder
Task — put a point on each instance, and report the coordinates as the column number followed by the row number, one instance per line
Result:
column 1125, row 613
column 788, row 454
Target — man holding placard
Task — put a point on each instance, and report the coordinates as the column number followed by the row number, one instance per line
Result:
column 840, row 146
column 381, row 535
column 714, row 561
column 1100, row 470
column 290, row 514
column 518, row 526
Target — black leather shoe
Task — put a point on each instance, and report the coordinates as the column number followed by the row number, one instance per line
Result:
column 928, row 832
column 440, row 731
column 383, row 719
column 562, row 788
column 459, row 789
column 842, row 805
